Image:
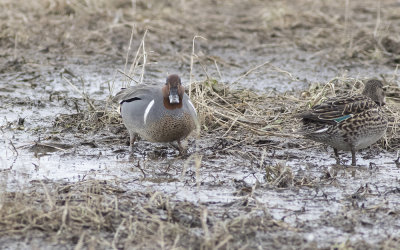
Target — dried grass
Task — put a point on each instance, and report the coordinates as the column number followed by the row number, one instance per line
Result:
column 361, row 30
column 104, row 215
column 101, row 215
column 227, row 111
column 279, row 175
column 339, row 30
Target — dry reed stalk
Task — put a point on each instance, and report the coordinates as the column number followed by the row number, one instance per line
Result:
column 136, row 60
column 191, row 63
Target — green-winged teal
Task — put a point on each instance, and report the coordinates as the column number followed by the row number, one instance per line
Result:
column 348, row 122
column 157, row 113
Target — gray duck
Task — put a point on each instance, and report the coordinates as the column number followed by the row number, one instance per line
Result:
column 157, row 113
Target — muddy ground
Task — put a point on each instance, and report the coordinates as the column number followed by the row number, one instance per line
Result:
column 67, row 179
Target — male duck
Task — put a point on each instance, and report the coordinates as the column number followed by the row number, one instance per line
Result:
column 348, row 123
column 158, row 114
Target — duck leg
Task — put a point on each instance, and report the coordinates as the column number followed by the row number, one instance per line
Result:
column 353, row 156
column 133, row 138
column 182, row 150
column 336, row 156
column 179, row 147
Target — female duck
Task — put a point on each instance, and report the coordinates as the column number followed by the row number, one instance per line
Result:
column 348, row 123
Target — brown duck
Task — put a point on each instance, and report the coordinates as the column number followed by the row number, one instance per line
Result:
column 348, row 122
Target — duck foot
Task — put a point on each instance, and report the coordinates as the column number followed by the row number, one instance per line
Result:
column 178, row 146
column 337, row 156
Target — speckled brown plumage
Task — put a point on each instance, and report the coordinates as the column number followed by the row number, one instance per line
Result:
column 348, row 123
column 169, row 129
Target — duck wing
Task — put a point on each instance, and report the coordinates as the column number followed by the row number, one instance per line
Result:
column 338, row 109
column 138, row 92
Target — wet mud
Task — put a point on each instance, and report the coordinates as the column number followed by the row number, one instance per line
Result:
column 249, row 181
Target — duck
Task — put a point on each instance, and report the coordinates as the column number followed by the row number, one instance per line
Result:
column 348, row 122
column 158, row 113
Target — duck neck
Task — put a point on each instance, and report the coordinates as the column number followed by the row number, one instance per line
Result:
column 172, row 106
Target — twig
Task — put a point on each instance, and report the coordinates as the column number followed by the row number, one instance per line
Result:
column 144, row 57
column 128, row 76
column 127, row 55
column 137, row 58
column 50, row 201
column 116, row 234
column 50, row 146
column 79, row 245
column 191, row 64
column 144, row 173
column 12, row 144
column 204, row 224
column 285, row 72
column 229, row 129
column 249, row 71
column 378, row 19
column 83, row 94
column 219, row 72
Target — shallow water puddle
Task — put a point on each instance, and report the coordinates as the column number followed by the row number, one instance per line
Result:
column 317, row 194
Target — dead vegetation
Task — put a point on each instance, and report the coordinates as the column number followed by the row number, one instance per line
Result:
column 109, row 214
column 360, row 30
column 101, row 215
column 106, row 215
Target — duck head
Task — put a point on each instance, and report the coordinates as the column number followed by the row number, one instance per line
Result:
column 374, row 90
column 173, row 90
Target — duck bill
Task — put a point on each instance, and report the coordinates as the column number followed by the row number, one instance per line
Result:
column 173, row 95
